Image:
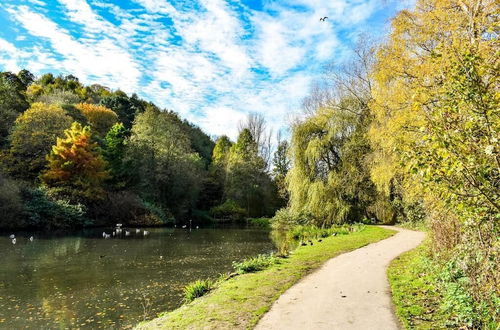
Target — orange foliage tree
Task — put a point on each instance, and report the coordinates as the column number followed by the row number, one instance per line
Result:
column 76, row 167
column 100, row 118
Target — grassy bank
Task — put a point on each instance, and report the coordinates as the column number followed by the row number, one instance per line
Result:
column 414, row 290
column 241, row 301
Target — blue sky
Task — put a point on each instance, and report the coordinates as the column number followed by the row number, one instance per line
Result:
column 212, row 61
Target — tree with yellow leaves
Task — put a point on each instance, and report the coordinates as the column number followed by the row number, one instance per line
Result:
column 101, row 119
column 436, row 107
column 75, row 165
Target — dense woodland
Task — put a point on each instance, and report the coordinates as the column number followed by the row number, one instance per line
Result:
column 75, row 155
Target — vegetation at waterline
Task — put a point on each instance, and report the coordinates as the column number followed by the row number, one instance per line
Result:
column 197, row 289
column 73, row 155
column 240, row 301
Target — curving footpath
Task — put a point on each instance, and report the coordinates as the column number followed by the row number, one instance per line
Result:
column 350, row 291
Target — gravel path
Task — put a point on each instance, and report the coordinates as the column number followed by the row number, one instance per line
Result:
column 350, row 291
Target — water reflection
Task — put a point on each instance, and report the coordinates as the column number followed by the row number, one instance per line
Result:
column 87, row 281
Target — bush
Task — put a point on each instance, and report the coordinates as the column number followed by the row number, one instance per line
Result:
column 11, row 205
column 260, row 222
column 254, row 264
column 229, row 210
column 202, row 216
column 197, row 289
column 44, row 211
column 284, row 219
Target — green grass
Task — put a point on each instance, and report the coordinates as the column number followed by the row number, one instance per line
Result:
column 255, row 264
column 240, row 301
column 197, row 289
column 415, row 293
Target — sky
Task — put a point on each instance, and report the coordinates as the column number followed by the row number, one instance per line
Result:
column 212, row 61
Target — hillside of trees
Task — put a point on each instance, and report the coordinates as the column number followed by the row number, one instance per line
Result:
column 75, row 155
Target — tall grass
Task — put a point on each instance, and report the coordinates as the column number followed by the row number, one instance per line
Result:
column 197, row 289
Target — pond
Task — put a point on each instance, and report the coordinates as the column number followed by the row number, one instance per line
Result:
column 85, row 281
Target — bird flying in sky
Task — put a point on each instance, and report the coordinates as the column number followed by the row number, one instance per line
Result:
column 323, row 18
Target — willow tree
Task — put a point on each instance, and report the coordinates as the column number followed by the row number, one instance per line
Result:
column 436, row 106
column 329, row 181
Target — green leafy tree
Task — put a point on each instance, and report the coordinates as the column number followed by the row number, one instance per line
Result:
column 33, row 135
column 167, row 170
column 281, row 166
column 114, row 153
column 12, row 102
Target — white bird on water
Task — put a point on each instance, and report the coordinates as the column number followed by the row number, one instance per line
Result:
column 127, row 233
column 137, row 231
column 107, row 236
column 13, row 241
column 184, row 227
column 146, row 233
column 104, row 234
column 12, row 236
column 31, row 238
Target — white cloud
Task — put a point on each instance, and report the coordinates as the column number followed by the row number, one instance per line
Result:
column 93, row 60
column 213, row 61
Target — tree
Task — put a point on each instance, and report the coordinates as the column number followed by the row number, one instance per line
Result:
column 75, row 166
column 255, row 123
column 33, row 135
column 114, row 152
column 221, row 150
column 247, row 182
column 281, row 166
column 123, row 106
column 330, row 178
column 12, row 102
column 100, row 118
column 436, row 123
column 167, row 170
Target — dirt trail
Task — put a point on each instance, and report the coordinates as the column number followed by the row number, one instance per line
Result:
column 350, row 291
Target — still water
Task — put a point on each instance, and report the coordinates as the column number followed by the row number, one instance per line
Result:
column 86, row 281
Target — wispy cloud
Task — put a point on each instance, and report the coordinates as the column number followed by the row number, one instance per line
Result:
column 213, row 61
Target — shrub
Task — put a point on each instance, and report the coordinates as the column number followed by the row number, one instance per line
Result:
column 254, row 264
column 229, row 210
column 10, row 203
column 197, row 289
column 260, row 222
column 42, row 210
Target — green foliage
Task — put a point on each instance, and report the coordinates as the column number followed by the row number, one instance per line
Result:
column 167, row 171
column 42, row 210
column 33, row 135
column 281, row 167
column 308, row 232
column 114, row 153
column 229, row 210
column 260, row 222
column 197, row 289
column 126, row 108
column 12, row 102
column 255, row 264
column 330, row 180
column 11, row 204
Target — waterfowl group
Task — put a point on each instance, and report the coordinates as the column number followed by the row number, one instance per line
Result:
column 13, row 239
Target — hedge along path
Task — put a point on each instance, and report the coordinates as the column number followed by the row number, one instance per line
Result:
column 240, row 302
column 350, row 291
